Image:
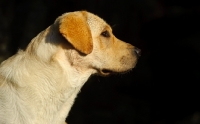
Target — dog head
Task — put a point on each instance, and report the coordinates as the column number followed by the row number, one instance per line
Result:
column 86, row 42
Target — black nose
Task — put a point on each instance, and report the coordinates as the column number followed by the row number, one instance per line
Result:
column 137, row 51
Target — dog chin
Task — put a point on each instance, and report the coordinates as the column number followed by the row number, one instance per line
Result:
column 104, row 72
column 107, row 72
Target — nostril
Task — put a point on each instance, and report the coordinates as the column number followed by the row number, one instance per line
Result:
column 137, row 51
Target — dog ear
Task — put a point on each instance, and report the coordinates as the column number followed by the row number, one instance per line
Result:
column 73, row 26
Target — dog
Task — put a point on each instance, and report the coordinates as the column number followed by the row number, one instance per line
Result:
column 38, row 85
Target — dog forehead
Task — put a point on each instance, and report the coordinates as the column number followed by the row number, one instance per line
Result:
column 96, row 24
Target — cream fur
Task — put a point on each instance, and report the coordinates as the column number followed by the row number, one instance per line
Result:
column 39, row 85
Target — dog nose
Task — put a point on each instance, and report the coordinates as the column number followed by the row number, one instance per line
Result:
column 137, row 51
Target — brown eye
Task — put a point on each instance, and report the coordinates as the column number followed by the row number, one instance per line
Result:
column 105, row 34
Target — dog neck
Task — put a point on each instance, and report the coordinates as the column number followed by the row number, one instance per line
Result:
column 53, row 87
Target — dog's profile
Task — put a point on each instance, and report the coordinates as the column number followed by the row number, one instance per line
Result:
column 39, row 85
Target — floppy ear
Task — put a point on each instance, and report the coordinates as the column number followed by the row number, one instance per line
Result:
column 73, row 26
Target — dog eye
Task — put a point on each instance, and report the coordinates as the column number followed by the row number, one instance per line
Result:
column 105, row 34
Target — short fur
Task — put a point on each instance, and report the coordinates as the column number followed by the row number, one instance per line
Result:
column 39, row 85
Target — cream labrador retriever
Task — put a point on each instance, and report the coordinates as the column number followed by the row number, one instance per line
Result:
column 39, row 85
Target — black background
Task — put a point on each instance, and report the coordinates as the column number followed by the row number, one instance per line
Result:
column 162, row 89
